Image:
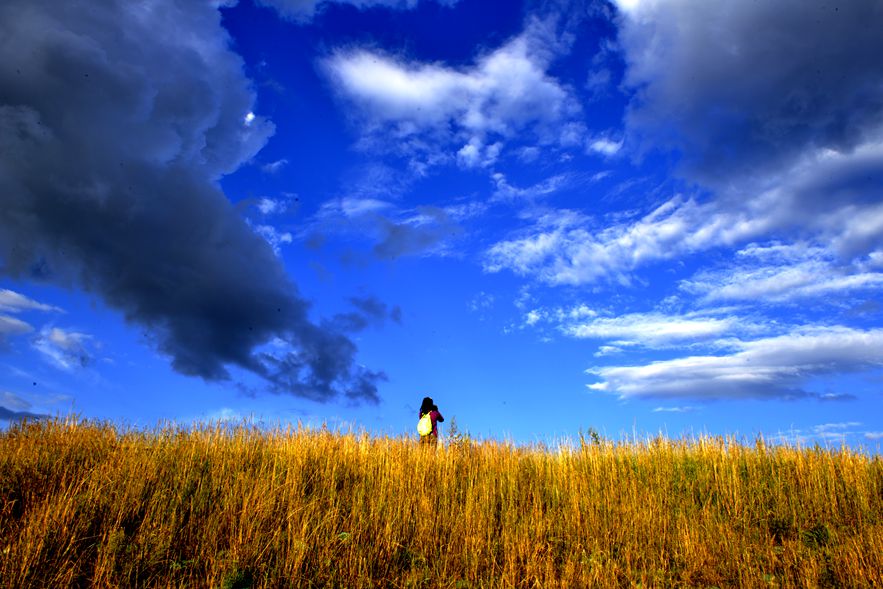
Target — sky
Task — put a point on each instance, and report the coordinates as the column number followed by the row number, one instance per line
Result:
column 634, row 216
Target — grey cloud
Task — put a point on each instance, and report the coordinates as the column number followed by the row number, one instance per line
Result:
column 10, row 415
column 408, row 238
column 368, row 310
column 116, row 123
column 395, row 233
column 750, row 86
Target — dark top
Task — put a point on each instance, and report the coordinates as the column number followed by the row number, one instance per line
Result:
column 436, row 417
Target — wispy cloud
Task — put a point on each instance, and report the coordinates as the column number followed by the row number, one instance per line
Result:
column 781, row 274
column 13, row 302
column 825, row 433
column 506, row 192
column 567, row 247
column 275, row 166
column 303, row 11
column 11, row 326
column 825, row 196
column 681, row 409
column 394, row 231
column 64, row 349
column 13, row 401
column 652, row 329
column 769, row 367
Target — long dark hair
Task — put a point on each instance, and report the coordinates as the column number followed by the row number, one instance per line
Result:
column 426, row 406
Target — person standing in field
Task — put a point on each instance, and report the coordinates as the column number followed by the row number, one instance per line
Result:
column 429, row 410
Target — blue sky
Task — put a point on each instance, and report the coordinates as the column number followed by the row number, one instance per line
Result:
column 634, row 216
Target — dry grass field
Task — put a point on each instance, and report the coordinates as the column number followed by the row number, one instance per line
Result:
column 87, row 504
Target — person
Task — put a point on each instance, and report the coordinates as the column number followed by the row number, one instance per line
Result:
column 429, row 406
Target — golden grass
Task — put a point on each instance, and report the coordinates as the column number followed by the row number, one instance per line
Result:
column 89, row 505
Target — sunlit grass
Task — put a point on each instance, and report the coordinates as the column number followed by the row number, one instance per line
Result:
column 88, row 504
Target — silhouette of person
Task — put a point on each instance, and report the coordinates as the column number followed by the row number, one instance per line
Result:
column 428, row 406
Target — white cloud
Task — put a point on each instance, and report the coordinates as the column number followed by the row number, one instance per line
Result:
column 650, row 329
column 837, row 426
column 817, row 197
column 770, row 367
column 12, row 326
column 781, row 273
column 466, row 210
column 268, row 206
column 789, row 146
column 607, row 351
column 481, row 302
column 224, row 415
column 13, row 302
column 506, row 192
column 440, row 112
column 273, row 236
column 303, row 11
column 532, row 317
column 874, row 435
column 13, row 401
column 835, row 432
column 604, row 146
column 564, row 247
column 65, row 349
column 684, row 409
column 475, row 154
column 356, row 207
column 273, row 167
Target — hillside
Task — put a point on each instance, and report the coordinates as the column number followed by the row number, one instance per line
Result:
column 91, row 505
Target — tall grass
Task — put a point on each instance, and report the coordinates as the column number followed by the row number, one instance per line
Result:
column 87, row 504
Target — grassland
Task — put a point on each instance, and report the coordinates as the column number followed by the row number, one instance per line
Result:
column 89, row 505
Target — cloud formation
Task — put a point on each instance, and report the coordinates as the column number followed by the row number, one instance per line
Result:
column 65, row 349
column 650, row 329
column 303, row 11
column 764, row 368
column 440, row 113
column 752, row 86
column 828, row 197
column 394, row 232
column 567, row 247
column 775, row 108
column 782, row 274
column 13, row 407
column 116, row 124
column 13, row 302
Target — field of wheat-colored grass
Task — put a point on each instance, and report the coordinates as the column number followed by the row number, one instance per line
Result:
column 86, row 504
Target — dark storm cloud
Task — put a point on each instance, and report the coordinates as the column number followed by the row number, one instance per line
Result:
column 117, row 120
column 748, row 87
